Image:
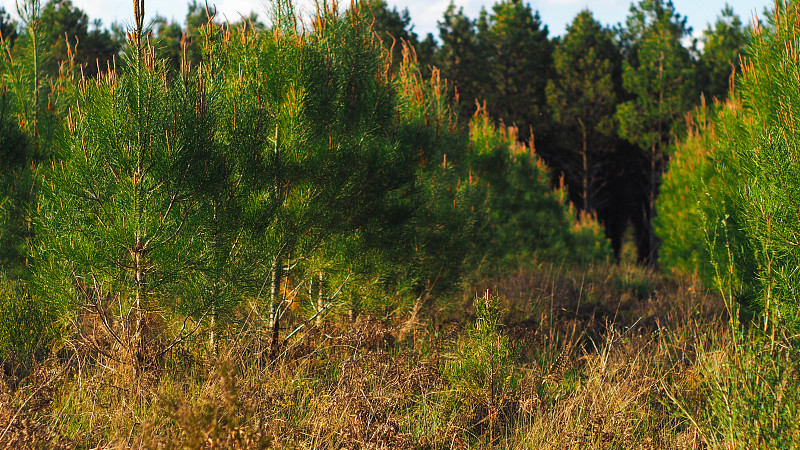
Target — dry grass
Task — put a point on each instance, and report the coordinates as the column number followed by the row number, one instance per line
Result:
column 599, row 358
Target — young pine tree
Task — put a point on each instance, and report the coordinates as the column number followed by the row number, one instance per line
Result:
column 127, row 224
column 752, row 205
column 320, row 107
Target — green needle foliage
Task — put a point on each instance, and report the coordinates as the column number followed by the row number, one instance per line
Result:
column 286, row 167
column 125, row 226
column 753, row 217
column 30, row 116
column 320, row 106
column 658, row 75
column 681, row 204
column 582, row 99
column 723, row 45
column 31, row 126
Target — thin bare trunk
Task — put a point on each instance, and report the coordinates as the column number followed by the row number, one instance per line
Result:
column 585, row 168
column 138, row 249
column 320, row 301
column 212, row 342
column 276, row 299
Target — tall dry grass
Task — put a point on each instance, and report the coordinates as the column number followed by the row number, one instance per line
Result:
column 609, row 357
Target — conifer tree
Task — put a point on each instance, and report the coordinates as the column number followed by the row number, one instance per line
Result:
column 658, row 74
column 519, row 64
column 394, row 28
column 680, row 221
column 722, row 47
column 8, row 27
column 127, row 226
column 750, row 196
column 30, row 105
column 323, row 105
column 460, row 57
column 169, row 41
column 582, row 100
column 68, row 35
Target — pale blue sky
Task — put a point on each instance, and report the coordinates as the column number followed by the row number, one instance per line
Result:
column 425, row 14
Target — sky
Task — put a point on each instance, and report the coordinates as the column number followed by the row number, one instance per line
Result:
column 425, row 14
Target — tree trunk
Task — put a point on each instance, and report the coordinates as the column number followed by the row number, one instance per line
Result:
column 585, row 179
column 212, row 342
column 320, row 301
column 136, row 344
column 275, row 299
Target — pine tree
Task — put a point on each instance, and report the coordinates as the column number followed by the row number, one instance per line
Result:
column 582, row 100
column 680, row 221
column 30, row 107
column 320, row 106
column 8, row 27
column 519, row 64
column 66, row 32
column 723, row 45
column 169, row 41
column 127, row 229
column 463, row 59
column 393, row 28
column 658, row 74
column 750, row 195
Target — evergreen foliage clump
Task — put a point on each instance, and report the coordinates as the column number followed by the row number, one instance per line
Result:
column 125, row 218
column 582, row 100
column 723, row 46
column 32, row 105
column 293, row 168
column 482, row 372
column 485, row 198
column 681, row 204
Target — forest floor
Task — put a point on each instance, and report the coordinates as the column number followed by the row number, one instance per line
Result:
column 605, row 357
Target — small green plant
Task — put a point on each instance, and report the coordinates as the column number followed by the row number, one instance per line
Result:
column 23, row 322
column 482, row 371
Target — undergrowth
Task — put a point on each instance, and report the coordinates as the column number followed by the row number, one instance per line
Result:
column 549, row 357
